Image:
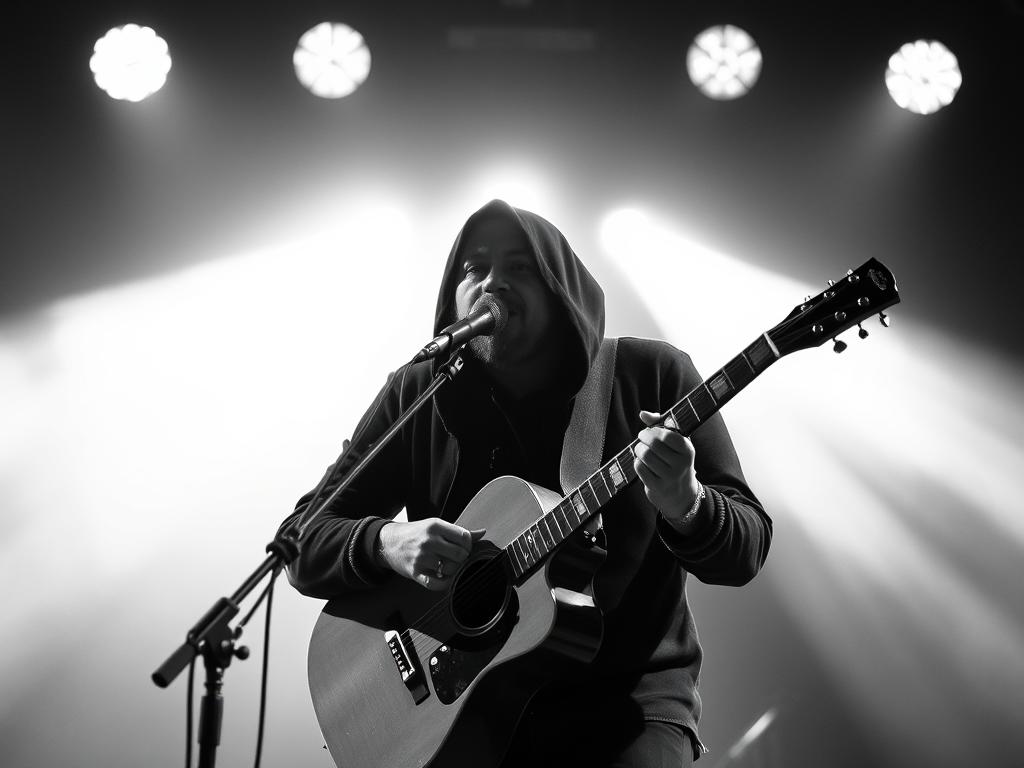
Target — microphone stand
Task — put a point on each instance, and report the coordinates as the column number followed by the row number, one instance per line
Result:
column 213, row 638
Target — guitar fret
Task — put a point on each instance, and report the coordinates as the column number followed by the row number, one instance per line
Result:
column 626, row 459
column 564, row 508
column 533, row 537
column 521, row 556
column 538, row 536
column 702, row 402
column 602, row 491
column 591, row 505
column 518, row 566
column 553, row 514
column 550, row 537
column 526, row 543
column 740, row 372
column 720, row 386
column 605, row 480
column 524, row 551
column 615, row 471
column 693, row 409
column 745, row 356
column 686, row 421
column 579, row 507
column 761, row 353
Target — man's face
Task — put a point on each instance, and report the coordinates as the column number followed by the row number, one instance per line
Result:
column 496, row 259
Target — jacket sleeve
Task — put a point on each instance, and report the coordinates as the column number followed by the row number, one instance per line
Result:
column 731, row 542
column 336, row 548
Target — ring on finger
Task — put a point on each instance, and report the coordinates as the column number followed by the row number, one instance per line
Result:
column 440, row 569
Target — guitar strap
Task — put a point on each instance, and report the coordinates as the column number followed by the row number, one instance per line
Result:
column 583, row 446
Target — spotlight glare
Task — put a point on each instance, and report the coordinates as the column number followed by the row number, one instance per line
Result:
column 724, row 62
column 130, row 62
column 512, row 181
column 331, row 60
column 923, row 76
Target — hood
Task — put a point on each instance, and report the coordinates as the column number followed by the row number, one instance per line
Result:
column 577, row 290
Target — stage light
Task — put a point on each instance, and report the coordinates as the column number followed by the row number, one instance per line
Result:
column 512, row 181
column 723, row 62
column 923, row 76
column 331, row 60
column 130, row 62
column 752, row 734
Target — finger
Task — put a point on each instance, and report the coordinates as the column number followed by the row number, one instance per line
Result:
column 444, row 549
column 647, row 476
column 454, row 534
column 650, row 458
column 655, row 419
column 435, row 567
column 678, row 458
column 669, row 437
column 432, row 582
column 650, row 418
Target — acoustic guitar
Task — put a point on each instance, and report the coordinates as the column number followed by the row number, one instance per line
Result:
column 403, row 677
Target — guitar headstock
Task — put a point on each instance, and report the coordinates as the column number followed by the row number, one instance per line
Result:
column 863, row 292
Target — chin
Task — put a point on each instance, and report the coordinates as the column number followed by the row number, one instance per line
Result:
column 490, row 351
column 483, row 349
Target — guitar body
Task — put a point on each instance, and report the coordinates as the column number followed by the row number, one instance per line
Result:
column 402, row 676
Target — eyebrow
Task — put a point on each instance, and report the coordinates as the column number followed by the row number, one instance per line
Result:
column 483, row 250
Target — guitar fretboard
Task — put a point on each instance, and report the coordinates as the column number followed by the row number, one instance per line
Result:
column 533, row 545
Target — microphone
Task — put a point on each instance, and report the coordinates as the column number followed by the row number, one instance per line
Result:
column 487, row 318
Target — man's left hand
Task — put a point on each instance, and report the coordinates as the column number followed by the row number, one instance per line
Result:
column 664, row 464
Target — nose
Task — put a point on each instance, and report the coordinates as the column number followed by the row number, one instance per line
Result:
column 495, row 281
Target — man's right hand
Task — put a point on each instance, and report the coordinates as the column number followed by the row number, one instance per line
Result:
column 427, row 551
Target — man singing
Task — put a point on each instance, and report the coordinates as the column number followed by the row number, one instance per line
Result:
column 507, row 413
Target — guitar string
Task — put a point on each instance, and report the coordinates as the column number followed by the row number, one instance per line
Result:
column 488, row 575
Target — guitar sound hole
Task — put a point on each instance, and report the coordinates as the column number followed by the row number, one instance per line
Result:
column 480, row 595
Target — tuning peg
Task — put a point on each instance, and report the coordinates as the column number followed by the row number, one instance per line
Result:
column 883, row 319
column 831, row 283
column 839, row 345
column 862, row 333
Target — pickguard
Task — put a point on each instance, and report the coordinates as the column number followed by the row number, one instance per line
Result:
column 454, row 665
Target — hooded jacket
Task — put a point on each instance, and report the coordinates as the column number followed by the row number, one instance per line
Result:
column 650, row 653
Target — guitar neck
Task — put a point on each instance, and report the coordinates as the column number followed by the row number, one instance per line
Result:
column 533, row 545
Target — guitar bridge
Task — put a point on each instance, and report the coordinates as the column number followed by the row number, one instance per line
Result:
column 408, row 667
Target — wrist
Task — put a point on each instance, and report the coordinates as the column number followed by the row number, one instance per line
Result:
column 380, row 558
column 685, row 522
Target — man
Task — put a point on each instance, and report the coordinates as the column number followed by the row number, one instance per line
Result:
column 507, row 413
